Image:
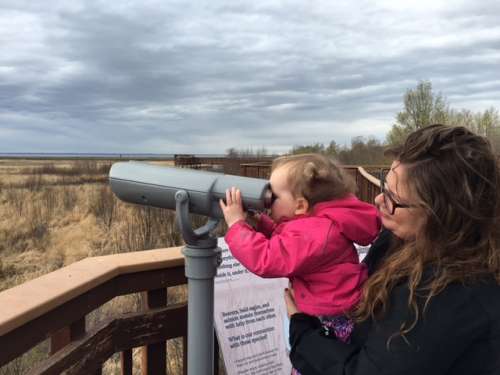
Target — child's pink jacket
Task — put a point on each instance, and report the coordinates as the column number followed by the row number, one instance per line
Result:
column 315, row 251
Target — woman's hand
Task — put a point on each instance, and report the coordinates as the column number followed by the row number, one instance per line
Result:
column 253, row 217
column 233, row 208
column 291, row 306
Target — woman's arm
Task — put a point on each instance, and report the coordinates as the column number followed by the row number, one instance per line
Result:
column 314, row 353
column 450, row 326
column 378, row 250
column 265, row 225
column 321, row 352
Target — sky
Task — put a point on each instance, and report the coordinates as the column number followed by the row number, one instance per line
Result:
column 176, row 76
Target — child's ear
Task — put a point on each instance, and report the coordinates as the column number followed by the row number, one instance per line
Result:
column 302, row 206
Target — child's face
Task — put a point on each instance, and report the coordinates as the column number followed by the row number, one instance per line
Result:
column 285, row 205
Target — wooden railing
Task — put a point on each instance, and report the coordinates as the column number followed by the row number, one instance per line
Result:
column 55, row 305
column 257, row 170
column 368, row 185
column 227, row 165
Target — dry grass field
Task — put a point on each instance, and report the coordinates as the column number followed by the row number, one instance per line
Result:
column 54, row 213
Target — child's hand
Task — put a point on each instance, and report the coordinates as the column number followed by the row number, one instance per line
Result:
column 233, row 208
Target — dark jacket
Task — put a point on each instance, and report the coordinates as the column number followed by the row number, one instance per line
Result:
column 459, row 334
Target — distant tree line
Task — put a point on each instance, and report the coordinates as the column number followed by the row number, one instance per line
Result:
column 246, row 153
column 422, row 107
column 362, row 151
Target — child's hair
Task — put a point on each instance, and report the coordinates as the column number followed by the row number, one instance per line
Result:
column 315, row 177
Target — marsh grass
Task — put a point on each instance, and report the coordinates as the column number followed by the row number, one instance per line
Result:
column 76, row 168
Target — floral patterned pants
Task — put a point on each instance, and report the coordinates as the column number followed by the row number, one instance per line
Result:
column 339, row 325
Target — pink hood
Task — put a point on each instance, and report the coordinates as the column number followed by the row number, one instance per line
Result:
column 356, row 220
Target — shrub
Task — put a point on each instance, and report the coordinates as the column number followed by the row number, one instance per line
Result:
column 33, row 183
column 103, row 205
column 68, row 198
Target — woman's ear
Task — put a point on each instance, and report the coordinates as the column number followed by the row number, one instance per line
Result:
column 302, row 206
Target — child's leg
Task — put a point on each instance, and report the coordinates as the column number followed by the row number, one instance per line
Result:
column 340, row 326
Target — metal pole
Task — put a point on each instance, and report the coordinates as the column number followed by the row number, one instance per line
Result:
column 202, row 257
column 201, row 268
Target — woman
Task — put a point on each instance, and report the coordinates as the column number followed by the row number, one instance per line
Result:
column 432, row 302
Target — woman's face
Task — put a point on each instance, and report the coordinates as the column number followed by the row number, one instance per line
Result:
column 405, row 221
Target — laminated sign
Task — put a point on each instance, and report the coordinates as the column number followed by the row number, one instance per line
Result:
column 250, row 320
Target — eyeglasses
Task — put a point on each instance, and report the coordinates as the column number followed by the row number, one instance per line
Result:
column 389, row 201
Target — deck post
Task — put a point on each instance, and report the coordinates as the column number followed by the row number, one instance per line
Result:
column 154, row 356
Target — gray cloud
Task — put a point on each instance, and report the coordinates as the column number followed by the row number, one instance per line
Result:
column 172, row 76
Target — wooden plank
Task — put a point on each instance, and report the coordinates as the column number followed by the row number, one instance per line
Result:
column 20, row 340
column 368, row 177
column 84, row 356
column 67, row 334
column 126, row 361
column 154, row 356
column 59, row 340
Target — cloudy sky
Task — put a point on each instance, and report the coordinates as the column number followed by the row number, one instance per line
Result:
column 173, row 76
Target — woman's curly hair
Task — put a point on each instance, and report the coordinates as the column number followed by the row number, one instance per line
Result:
column 455, row 176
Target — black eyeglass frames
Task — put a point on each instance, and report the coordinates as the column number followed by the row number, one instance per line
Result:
column 389, row 201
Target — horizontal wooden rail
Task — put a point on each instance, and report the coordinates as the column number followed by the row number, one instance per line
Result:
column 369, row 177
column 127, row 332
column 34, row 298
column 368, row 185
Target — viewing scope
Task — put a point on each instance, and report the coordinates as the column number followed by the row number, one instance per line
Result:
column 191, row 191
column 161, row 186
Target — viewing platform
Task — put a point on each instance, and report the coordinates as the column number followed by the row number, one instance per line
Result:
column 56, row 306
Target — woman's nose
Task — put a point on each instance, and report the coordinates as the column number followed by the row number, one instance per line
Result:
column 379, row 199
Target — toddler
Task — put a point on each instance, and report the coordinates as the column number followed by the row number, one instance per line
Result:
column 314, row 221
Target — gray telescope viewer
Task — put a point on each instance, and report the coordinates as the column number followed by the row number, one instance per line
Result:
column 191, row 191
